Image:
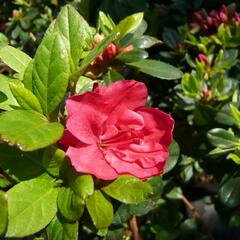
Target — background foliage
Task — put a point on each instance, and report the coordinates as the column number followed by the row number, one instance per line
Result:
column 198, row 196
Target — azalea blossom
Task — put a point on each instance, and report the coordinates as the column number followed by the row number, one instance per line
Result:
column 109, row 132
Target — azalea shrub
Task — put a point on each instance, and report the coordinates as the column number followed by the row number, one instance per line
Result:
column 119, row 120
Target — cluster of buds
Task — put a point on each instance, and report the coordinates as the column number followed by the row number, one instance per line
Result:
column 202, row 21
column 104, row 59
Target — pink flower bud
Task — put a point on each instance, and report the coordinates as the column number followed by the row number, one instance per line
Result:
column 202, row 58
column 223, row 17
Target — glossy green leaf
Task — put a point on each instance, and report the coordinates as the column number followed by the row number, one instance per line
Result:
column 6, row 93
column 112, row 76
column 146, row 42
column 3, row 212
column 175, row 193
column 76, row 31
column 128, row 189
column 229, row 192
column 32, row 205
column 28, row 130
column 14, row 58
column 51, row 71
column 25, row 98
column 84, row 84
column 157, row 69
column 60, row 229
column 132, row 56
column 129, row 24
column 100, row 210
column 69, row 204
column 174, row 152
column 222, row 138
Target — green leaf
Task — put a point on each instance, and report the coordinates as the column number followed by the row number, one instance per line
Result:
column 60, row 229
column 129, row 24
column 128, row 189
column 112, row 76
column 229, row 192
column 132, row 56
column 175, row 193
column 100, row 210
column 190, row 85
column 222, row 138
column 52, row 160
column 174, row 152
column 25, row 98
column 32, row 204
column 146, row 42
column 236, row 114
column 157, row 69
column 28, row 130
column 69, row 204
column 95, row 53
column 14, row 58
column 6, row 93
column 3, row 212
column 76, row 31
column 82, row 185
column 106, row 24
column 51, row 71
column 28, row 76
column 84, row 84
column 235, row 156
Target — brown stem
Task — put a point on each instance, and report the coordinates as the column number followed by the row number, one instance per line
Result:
column 134, row 228
column 197, row 216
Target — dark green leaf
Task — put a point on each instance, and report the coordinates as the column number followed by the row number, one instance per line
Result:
column 157, row 69
column 173, row 156
column 145, row 42
column 222, row 138
column 132, row 56
column 28, row 130
column 229, row 192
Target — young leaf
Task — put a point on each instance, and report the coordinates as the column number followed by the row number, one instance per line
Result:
column 157, row 69
column 28, row 130
column 25, row 98
column 69, row 204
column 60, row 229
column 14, row 58
column 3, row 212
column 106, row 24
column 51, row 72
column 129, row 24
column 32, row 204
column 100, row 210
column 76, row 31
column 128, row 189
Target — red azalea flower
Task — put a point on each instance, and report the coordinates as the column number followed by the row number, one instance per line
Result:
column 110, row 132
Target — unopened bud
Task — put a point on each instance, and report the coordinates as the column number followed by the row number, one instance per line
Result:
column 202, row 58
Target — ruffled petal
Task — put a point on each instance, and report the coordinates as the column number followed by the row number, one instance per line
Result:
column 89, row 159
column 158, row 125
column 132, row 168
